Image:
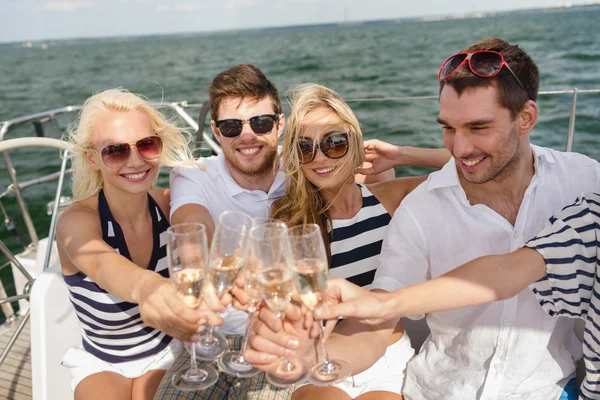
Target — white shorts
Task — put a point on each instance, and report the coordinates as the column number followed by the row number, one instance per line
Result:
column 82, row 364
column 387, row 374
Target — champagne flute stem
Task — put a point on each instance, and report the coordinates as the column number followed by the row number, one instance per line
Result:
column 286, row 363
column 247, row 330
column 194, row 367
column 210, row 337
column 323, row 346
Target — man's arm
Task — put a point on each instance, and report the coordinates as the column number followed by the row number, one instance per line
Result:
column 194, row 213
column 188, row 199
column 381, row 156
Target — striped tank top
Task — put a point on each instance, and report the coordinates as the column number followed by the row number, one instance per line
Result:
column 356, row 242
column 111, row 328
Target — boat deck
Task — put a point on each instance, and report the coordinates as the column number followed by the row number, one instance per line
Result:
column 15, row 372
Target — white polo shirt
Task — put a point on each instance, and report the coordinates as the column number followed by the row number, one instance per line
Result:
column 509, row 350
column 216, row 190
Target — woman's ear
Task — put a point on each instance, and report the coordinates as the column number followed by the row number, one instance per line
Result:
column 92, row 160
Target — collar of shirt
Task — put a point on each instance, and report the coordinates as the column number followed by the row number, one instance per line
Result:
column 234, row 188
column 448, row 175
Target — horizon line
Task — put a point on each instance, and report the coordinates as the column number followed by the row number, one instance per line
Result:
column 342, row 23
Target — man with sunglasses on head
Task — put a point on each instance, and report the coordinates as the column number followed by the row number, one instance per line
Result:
column 496, row 193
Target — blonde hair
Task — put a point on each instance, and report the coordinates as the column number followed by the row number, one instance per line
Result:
column 303, row 203
column 86, row 180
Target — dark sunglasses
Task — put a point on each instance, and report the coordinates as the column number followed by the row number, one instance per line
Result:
column 483, row 63
column 115, row 155
column 333, row 146
column 260, row 124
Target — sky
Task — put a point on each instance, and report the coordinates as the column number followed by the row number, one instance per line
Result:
column 33, row 20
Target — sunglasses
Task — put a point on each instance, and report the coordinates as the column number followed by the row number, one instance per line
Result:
column 260, row 124
column 483, row 63
column 116, row 155
column 333, row 146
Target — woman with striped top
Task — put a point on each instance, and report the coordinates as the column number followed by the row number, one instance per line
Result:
column 111, row 243
column 322, row 151
column 561, row 265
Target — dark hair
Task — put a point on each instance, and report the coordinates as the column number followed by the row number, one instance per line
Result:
column 510, row 93
column 243, row 81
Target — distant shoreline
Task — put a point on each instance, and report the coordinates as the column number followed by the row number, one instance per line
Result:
column 44, row 43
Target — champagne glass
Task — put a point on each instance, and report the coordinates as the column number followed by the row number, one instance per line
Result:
column 311, row 267
column 232, row 362
column 270, row 245
column 228, row 252
column 187, row 257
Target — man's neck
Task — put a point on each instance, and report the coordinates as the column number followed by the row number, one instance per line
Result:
column 503, row 194
column 254, row 182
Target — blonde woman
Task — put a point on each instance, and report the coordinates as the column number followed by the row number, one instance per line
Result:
column 322, row 150
column 112, row 249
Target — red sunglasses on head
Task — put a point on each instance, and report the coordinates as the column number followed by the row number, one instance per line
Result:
column 117, row 154
column 483, row 63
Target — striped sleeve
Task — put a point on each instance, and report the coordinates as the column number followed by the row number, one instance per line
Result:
column 569, row 246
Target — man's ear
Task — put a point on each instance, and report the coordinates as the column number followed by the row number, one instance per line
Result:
column 215, row 131
column 92, row 160
column 528, row 117
column 280, row 125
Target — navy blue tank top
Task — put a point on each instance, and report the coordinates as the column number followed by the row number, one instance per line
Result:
column 111, row 328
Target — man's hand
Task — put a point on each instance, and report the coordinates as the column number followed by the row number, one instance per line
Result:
column 379, row 157
column 345, row 299
column 161, row 307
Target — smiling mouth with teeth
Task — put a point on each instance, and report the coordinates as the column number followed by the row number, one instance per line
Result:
column 471, row 163
column 138, row 175
column 324, row 170
column 250, row 151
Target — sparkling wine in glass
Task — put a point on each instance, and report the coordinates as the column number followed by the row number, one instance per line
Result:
column 232, row 362
column 271, row 248
column 187, row 257
column 308, row 251
column 228, row 252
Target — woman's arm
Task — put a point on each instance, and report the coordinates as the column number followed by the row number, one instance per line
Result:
column 81, row 248
column 482, row 280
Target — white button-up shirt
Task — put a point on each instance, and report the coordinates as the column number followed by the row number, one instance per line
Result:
column 216, row 190
column 509, row 350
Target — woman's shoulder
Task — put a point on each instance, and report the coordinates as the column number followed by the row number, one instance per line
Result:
column 81, row 213
column 162, row 198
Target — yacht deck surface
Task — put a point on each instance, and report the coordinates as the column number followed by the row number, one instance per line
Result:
column 15, row 372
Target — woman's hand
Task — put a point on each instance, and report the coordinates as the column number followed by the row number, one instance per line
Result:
column 161, row 307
